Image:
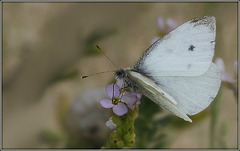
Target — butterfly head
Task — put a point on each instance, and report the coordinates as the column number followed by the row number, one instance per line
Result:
column 121, row 73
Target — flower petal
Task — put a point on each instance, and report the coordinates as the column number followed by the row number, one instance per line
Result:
column 113, row 87
column 154, row 39
column 120, row 82
column 160, row 23
column 220, row 64
column 227, row 77
column 120, row 109
column 171, row 23
column 110, row 124
column 139, row 95
column 235, row 66
column 106, row 103
column 130, row 98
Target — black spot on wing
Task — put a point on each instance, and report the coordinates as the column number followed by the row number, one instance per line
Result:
column 189, row 66
column 191, row 48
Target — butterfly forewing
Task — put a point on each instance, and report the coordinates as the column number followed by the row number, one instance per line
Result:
column 186, row 51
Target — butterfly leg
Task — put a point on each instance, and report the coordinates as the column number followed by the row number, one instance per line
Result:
column 127, row 86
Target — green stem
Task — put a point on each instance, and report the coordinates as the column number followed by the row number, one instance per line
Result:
column 123, row 135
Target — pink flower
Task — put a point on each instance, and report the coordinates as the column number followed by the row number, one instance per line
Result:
column 167, row 26
column 113, row 91
column 120, row 101
column 164, row 27
column 160, row 23
column 132, row 99
column 154, row 39
column 235, row 66
column 171, row 24
column 226, row 76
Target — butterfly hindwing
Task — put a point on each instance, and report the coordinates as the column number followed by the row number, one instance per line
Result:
column 192, row 94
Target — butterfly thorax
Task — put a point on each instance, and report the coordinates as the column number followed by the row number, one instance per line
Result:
column 124, row 74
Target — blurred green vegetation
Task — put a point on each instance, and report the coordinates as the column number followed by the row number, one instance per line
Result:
column 146, row 127
column 50, row 138
column 214, row 117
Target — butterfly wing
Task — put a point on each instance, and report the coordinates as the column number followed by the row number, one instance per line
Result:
column 180, row 95
column 181, row 65
column 186, row 51
column 192, row 94
column 150, row 89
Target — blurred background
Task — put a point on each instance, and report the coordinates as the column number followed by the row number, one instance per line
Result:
column 47, row 47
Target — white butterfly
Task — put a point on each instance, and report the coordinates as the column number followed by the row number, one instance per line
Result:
column 177, row 72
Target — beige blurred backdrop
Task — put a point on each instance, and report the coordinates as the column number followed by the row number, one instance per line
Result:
column 43, row 42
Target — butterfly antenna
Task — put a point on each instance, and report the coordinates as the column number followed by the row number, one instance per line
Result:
column 96, row 74
column 107, row 57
